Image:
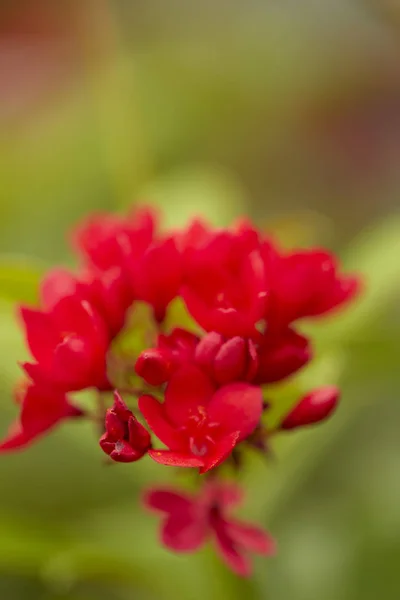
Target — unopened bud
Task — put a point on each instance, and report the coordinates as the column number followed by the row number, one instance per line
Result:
column 316, row 406
column 154, row 366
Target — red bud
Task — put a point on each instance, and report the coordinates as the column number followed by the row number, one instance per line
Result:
column 153, row 366
column 207, row 349
column 230, row 362
column 316, row 406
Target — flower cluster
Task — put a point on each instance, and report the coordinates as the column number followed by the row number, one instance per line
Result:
column 191, row 398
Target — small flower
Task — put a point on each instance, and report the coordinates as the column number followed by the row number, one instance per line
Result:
column 157, row 275
column 199, row 424
column 306, row 284
column 106, row 241
column 42, row 408
column 225, row 288
column 189, row 521
column 106, row 291
column 69, row 343
column 280, row 355
column 125, row 439
column 316, row 406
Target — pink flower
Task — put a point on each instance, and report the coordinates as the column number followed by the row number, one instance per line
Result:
column 69, row 343
column 199, row 424
column 316, row 406
column 188, row 521
column 42, row 408
column 125, row 439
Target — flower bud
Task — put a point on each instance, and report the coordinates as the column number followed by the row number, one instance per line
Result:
column 230, row 362
column 316, row 406
column 125, row 439
column 207, row 349
column 154, row 366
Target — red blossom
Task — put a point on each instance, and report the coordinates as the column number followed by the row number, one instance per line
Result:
column 316, row 406
column 106, row 291
column 199, row 424
column 125, row 439
column 280, row 355
column 107, row 241
column 225, row 287
column 42, row 408
column 188, row 521
column 305, row 284
column 157, row 275
column 69, row 343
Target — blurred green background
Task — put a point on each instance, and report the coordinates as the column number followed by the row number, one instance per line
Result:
column 284, row 111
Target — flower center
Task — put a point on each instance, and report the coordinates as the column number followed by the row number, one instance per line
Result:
column 200, row 432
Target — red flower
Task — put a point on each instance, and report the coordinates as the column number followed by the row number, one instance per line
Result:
column 108, row 241
column 157, row 275
column 281, row 354
column 305, row 284
column 42, row 407
column 125, row 439
column 316, row 406
column 189, row 521
column 69, row 344
column 229, row 360
column 106, row 291
column 156, row 365
column 200, row 426
column 225, row 285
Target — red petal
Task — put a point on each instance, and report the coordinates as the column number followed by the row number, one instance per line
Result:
column 188, row 389
column 120, row 408
column 251, row 538
column 230, row 362
column 237, row 407
column 57, row 284
column 221, row 451
column 207, row 349
column 16, row 439
column 226, row 494
column 175, row 459
column 123, row 452
column 167, row 501
column 114, row 427
column 228, row 551
column 40, row 334
column 42, row 408
column 155, row 416
column 184, row 533
column 139, row 437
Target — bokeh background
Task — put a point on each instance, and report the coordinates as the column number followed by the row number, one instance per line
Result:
column 285, row 111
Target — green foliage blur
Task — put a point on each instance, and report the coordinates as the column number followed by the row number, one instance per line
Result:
column 283, row 111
